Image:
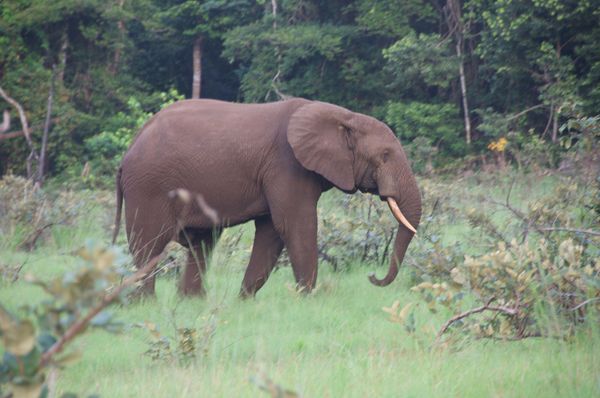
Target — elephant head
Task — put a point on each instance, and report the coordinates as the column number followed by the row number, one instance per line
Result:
column 357, row 152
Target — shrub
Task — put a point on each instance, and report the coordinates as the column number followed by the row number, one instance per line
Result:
column 106, row 149
column 361, row 231
column 36, row 340
column 534, row 274
column 440, row 123
column 27, row 212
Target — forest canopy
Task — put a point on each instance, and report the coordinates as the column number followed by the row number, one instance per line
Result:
column 453, row 78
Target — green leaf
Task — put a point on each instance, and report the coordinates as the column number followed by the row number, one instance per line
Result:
column 19, row 339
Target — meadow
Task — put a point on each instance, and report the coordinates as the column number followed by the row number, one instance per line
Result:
column 335, row 342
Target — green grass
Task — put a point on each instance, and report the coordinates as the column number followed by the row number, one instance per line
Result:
column 336, row 342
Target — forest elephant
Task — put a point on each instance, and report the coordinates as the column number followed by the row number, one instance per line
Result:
column 198, row 166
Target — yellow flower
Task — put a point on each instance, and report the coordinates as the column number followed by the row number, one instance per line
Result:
column 498, row 146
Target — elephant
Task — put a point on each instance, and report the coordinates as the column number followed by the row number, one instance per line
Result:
column 202, row 165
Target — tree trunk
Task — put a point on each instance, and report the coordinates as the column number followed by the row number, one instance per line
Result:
column 42, row 163
column 62, row 55
column 457, row 29
column 119, row 48
column 197, row 57
column 463, row 90
column 555, row 125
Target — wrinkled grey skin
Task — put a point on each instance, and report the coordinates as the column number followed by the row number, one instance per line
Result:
column 201, row 165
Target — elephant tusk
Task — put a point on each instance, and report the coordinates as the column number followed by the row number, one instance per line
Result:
column 399, row 216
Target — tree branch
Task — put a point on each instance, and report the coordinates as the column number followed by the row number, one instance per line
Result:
column 575, row 230
column 486, row 307
column 13, row 134
column 517, row 115
column 5, row 121
column 583, row 304
column 22, row 116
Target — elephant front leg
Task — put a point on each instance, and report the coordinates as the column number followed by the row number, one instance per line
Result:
column 300, row 237
column 265, row 252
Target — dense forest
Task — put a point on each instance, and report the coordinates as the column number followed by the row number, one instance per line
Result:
column 455, row 79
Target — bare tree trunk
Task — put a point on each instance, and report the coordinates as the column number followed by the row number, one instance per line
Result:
column 119, row 48
column 463, row 90
column 33, row 154
column 457, row 29
column 274, row 13
column 276, row 81
column 62, row 55
column 197, row 57
column 555, row 125
column 42, row 163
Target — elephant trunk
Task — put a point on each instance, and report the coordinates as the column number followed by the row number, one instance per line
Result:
column 408, row 215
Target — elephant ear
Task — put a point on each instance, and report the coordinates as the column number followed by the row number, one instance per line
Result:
column 320, row 136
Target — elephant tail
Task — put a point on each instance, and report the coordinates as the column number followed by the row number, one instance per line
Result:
column 119, row 206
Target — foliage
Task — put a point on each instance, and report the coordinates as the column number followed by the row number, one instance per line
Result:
column 529, row 65
column 26, row 212
column 583, row 142
column 106, row 149
column 186, row 344
column 422, row 154
column 537, row 275
column 437, row 122
column 362, row 232
column 34, row 341
column 420, row 62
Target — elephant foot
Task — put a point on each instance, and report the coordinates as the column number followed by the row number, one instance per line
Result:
column 141, row 294
column 245, row 294
column 193, row 289
column 193, row 293
column 304, row 290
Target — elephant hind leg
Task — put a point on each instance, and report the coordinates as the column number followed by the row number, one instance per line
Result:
column 200, row 245
column 265, row 252
column 147, row 245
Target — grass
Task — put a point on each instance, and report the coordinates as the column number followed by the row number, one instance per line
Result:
column 336, row 342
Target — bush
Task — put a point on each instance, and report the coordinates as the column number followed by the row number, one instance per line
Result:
column 26, row 212
column 534, row 274
column 361, row 231
column 38, row 339
column 439, row 123
column 105, row 150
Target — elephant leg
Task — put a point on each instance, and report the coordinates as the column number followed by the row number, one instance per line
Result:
column 200, row 246
column 300, row 238
column 146, row 246
column 265, row 252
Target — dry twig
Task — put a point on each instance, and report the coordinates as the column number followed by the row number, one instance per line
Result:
column 486, row 307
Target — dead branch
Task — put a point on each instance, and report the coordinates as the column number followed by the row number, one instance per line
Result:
column 33, row 154
column 583, row 304
column 5, row 121
column 22, row 115
column 79, row 326
column 12, row 134
column 574, row 230
column 486, row 307
column 17, row 272
column 517, row 115
column 29, row 242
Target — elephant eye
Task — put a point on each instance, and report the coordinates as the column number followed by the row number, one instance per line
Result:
column 386, row 156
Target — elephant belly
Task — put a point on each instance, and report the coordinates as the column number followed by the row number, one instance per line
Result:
column 206, row 208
